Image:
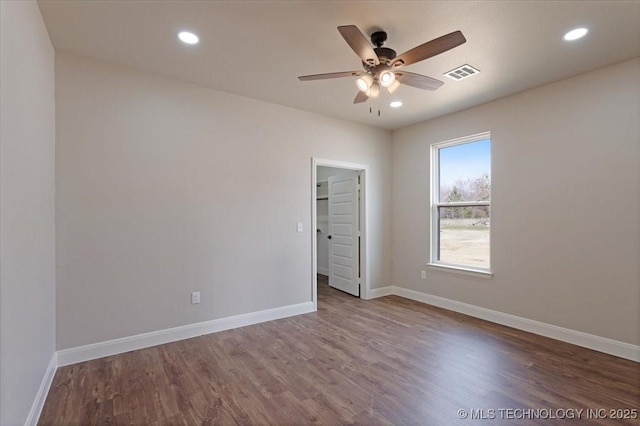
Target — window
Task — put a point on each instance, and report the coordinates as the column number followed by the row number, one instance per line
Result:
column 461, row 203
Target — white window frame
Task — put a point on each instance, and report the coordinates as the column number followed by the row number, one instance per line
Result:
column 434, row 263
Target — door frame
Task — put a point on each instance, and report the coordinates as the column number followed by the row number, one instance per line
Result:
column 363, row 170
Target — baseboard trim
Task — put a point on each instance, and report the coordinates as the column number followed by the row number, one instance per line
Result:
column 590, row 341
column 145, row 340
column 323, row 271
column 380, row 292
column 43, row 391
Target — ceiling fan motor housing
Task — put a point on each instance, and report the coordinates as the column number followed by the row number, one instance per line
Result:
column 385, row 55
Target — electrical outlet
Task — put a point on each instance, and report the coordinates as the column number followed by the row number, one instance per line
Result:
column 299, row 228
column 195, row 297
column 423, row 275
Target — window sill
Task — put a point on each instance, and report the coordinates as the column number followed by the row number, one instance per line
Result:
column 462, row 271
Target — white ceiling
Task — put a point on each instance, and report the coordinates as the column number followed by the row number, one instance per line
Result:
column 257, row 49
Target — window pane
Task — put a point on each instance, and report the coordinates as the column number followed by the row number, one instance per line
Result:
column 465, row 172
column 464, row 235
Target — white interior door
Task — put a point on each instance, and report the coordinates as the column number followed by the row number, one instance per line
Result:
column 344, row 244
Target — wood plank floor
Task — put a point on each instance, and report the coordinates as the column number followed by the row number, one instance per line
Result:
column 384, row 361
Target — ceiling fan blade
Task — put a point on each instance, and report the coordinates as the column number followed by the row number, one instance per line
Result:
column 360, row 97
column 418, row 80
column 359, row 43
column 430, row 48
column 330, row 75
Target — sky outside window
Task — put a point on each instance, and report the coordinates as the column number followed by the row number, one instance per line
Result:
column 462, row 168
column 464, row 162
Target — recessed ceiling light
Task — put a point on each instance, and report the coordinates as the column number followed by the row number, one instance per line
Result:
column 395, row 104
column 188, row 38
column 576, row 34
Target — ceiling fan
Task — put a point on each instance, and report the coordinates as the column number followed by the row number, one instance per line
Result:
column 382, row 67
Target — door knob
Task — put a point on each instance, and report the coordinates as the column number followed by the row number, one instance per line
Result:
column 329, row 236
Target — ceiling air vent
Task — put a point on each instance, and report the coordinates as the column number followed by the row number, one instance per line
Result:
column 462, row 72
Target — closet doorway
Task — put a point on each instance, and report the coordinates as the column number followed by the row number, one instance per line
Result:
column 339, row 227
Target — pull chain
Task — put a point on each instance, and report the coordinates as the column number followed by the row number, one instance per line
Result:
column 371, row 110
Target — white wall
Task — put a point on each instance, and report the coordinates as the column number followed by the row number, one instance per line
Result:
column 565, row 224
column 27, row 160
column 164, row 188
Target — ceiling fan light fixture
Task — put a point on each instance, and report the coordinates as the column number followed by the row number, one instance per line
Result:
column 387, row 78
column 393, row 86
column 364, row 82
column 374, row 90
